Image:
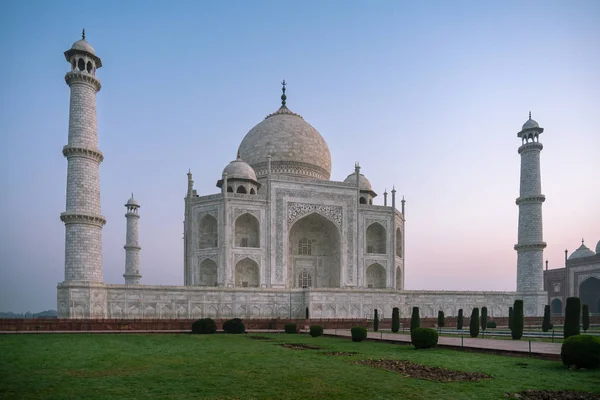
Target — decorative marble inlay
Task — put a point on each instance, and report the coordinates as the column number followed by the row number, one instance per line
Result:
column 237, row 257
column 298, row 210
column 240, row 211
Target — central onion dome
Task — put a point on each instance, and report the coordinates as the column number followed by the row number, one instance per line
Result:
column 296, row 148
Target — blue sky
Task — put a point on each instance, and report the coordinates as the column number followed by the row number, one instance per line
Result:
column 427, row 96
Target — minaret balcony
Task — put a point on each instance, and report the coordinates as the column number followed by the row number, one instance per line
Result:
column 96, row 155
column 530, row 246
column 531, row 199
column 531, row 146
column 72, row 77
column 80, row 218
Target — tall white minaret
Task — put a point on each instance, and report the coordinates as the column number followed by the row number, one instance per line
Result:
column 132, row 247
column 82, row 219
column 530, row 248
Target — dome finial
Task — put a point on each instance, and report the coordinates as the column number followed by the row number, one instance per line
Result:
column 283, row 96
column 83, row 34
column 238, row 155
column 582, row 241
column 529, row 114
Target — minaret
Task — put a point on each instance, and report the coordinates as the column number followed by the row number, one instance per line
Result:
column 132, row 247
column 82, row 219
column 530, row 248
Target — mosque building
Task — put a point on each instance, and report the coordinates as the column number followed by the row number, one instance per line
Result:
column 278, row 237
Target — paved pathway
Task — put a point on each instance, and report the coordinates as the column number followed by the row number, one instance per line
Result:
column 551, row 350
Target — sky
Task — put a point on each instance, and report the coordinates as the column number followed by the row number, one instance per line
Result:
column 427, row 95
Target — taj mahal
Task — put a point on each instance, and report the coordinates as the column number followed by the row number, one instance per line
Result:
column 278, row 238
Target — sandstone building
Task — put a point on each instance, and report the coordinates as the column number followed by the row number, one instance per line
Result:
column 277, row 238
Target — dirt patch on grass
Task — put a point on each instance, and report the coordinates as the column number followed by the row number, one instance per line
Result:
column 553, row 395
column 426, row 372
column 340, row 353
column 259, row 338
column 300, row 346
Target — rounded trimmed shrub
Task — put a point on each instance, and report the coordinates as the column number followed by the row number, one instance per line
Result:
column 474, row 323
column 491, row 324
column 424, row 338
column 415, row 320
column 459, row 319
column 484, row 318
column 359, row 333
column 572, row 315
column 440, row 319
column 204, row 326
column 518, row 320
column 316, row 330
column 395, row 319
column 583, row 351
column 234, row 326
column 290, row 328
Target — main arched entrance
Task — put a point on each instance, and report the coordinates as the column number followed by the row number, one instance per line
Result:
column 589, row 293
column 314, row 253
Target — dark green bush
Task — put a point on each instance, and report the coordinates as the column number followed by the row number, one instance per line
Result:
column 234, row 325
column 440, row 320
column 359, row 333
column 204, row 326
column 518, row 320
column 424, row 338
column 484, row 318
column 585, row 317
column 546, row 324
column 459, row 320
column 491, row 324
column 376, row 321
column 307, row 315
column 474, row 323
column 395, row 319
column 316, row 330
column 510, row 318
column 415, row 320
column 290, row 328
column 572, row 313
column 583, row 351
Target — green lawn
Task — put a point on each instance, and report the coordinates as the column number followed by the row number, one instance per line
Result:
column 181, row 366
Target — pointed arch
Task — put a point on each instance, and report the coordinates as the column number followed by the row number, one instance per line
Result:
column 376, row 276
column 376, row 239
column 246, row 273
column 208, row 236
column 589, row 292
column 556, row 306
column 207, row 274
column 247, row 231
column 398, row 278
column 241, row 189
column 398, row 243
column 362, row 200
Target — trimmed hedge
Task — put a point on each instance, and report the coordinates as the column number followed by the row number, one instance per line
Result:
column 424, row 338
column 376, row 321
column 484, row 318
column 572, row 313
column 518, row 320
column 546, row 324
column 359, row 333
column 204, row 326
column 582, row 351
column 234, row 325
column 474, row 323
column 585, row 317
column 459, row 320
column 415, row 321
column 395, row 319
column 290, row 328
column 316, row 330
column 491, row 324
column 440, row 320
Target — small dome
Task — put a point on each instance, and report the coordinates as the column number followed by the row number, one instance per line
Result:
column 238, row 169
column 363, row 183
column 581, row 252
column 83, row 45
column 132, row 202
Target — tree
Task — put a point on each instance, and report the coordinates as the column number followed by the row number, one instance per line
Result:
column 459, row 320
column 395, row 319
column 517, row 320
column 547, row 324
column 474, row 323
column 572, row 313
column 484, row 318
column 415, row 322
column 585, row 317
column 376, row 321
column 440, row 320
column 510, row 318
column 306, row 312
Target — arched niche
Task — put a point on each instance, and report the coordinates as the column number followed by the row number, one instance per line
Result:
column 208, row 236
column 207, row 273
column 589, row 293
column 376, row 239
column 362, row 200
column 376, row 276
column 247, row 229
column 398, row 243
column 246, row 273
column 241, row 189
column 314, row 249
column 556, row 307
column 398, row 278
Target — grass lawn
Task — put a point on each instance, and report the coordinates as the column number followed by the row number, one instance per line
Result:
column 183, row 366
